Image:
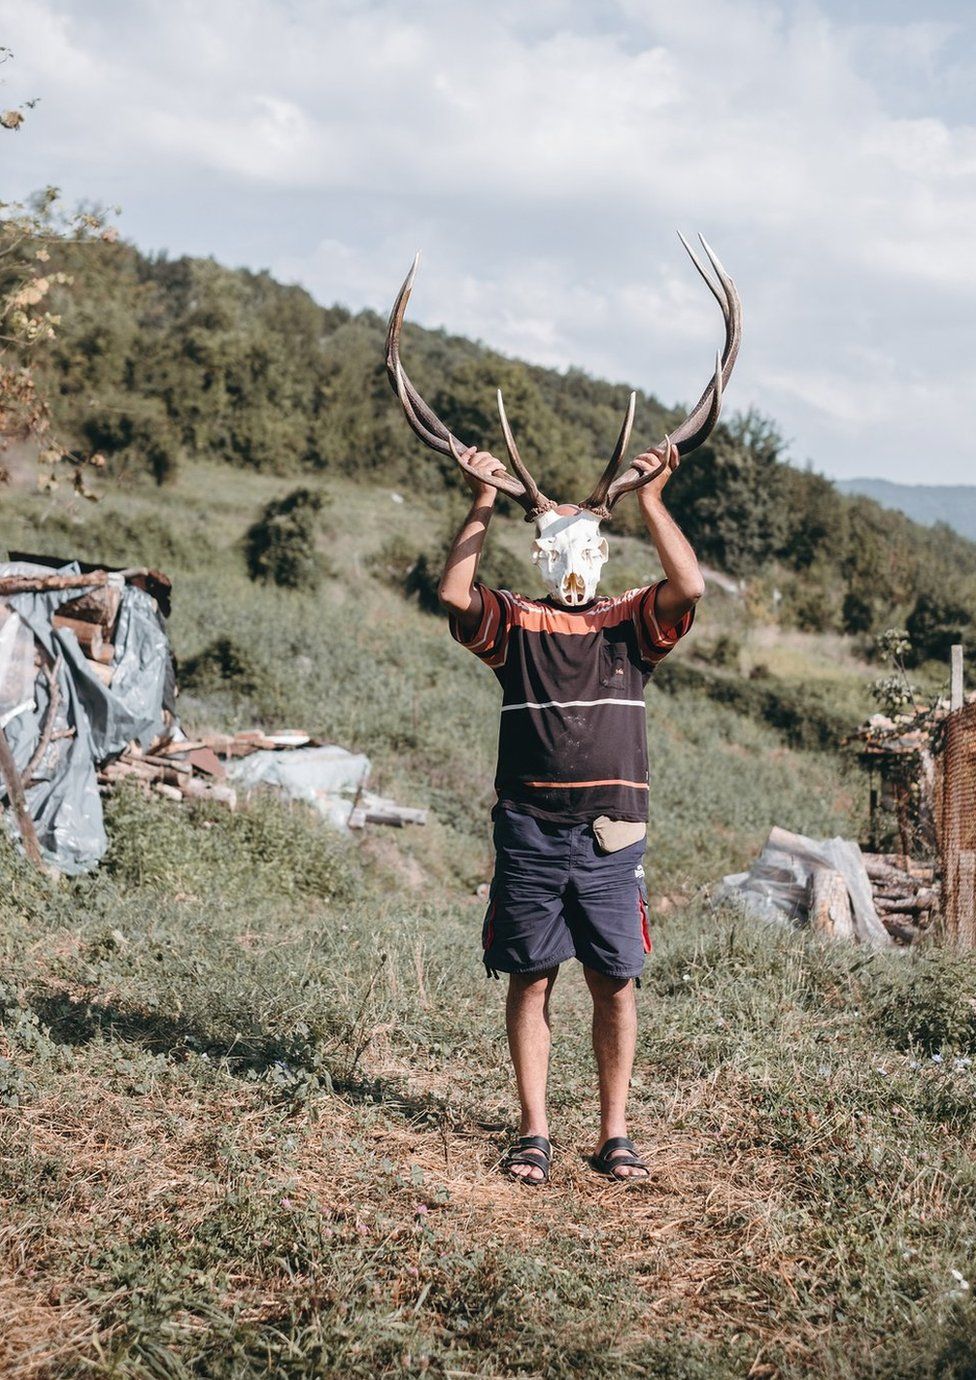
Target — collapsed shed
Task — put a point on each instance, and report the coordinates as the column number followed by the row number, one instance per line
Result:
column 85, row 669
column 88, row 699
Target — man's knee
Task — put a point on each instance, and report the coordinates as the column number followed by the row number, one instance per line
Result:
column 610, row 991
column 531, row 986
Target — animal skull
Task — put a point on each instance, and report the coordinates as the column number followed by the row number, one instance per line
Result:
column 569, row 553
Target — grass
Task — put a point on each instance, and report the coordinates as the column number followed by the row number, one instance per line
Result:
column 253, row 1082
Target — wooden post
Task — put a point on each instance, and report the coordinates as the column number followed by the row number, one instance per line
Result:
column 955, row 678
column 18, row 802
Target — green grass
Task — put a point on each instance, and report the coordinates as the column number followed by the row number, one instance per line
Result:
column 253, row 1081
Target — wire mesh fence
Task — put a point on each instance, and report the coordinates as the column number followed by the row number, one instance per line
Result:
column 956, row 825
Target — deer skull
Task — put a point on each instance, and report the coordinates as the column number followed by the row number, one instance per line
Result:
column 569, row 553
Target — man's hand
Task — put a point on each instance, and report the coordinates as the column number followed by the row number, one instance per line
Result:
column 662, row 466
column 482, row 462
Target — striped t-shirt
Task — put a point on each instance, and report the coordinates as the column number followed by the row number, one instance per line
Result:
column 572, row 742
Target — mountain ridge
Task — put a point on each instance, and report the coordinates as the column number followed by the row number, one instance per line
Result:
column 953, row 504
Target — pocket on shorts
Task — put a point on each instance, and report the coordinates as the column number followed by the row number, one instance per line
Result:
column 642, row 911
column 488, row 926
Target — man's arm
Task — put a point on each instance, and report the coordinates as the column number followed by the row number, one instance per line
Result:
column 457, row 591
column 684, row 584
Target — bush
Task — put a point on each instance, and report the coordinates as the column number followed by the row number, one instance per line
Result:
column 934, row 624
column 279, row 548
column 222, row 665
column 417, row 574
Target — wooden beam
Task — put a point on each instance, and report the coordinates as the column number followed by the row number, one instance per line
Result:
column 18, row 802
column 955, row 678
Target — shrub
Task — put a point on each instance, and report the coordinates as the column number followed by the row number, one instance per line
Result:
column 279, row 548
column 222, row 665
column 934, row 624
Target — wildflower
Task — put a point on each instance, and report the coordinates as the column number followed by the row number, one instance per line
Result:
column 421, row 1209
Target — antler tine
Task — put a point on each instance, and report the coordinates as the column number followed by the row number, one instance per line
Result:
column 720, row 298
column 597, row 500
column 538, row 501
column 701, row 420
column 424, row 421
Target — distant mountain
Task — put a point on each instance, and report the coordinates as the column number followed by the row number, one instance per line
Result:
column 954, row 504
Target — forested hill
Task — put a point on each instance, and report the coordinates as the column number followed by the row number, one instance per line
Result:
column 158, row 362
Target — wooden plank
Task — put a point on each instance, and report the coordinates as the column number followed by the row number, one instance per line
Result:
column 955, row 678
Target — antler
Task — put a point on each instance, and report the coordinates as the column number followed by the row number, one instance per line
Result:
column 698, row 424
column 428, row 426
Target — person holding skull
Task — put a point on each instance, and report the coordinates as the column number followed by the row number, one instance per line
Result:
column 572, row 779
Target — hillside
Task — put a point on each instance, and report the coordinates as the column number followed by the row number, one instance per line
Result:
column 253, row 1081
column 952, row 504
column 158, row 361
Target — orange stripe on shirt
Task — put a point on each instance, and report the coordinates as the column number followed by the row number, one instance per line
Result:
column 541, row 618
column 569, row 785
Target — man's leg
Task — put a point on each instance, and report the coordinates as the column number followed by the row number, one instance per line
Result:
column 527, row 1023
column 614, row 1043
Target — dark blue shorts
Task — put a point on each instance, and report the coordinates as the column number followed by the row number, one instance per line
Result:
column 556, row 896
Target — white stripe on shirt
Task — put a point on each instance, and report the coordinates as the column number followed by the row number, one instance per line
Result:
column 570, row 704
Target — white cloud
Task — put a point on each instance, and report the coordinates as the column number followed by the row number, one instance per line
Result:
column 542, row 158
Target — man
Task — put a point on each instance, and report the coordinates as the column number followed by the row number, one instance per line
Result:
column 572, row 750
column 571, row 816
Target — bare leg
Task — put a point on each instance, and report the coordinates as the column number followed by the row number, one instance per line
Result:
column 527, row 1022
column 614, row 1042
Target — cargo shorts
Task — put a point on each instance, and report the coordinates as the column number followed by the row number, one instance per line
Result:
column 556, row 895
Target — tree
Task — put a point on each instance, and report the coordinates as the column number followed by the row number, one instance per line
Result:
column 731, row 498
column 936, row 621
column 29, row 233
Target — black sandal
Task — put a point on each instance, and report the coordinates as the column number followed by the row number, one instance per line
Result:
column 607, row 1163
column 531, row 1150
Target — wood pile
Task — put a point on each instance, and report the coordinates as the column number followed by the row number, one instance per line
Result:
column 906, row 894
column 91, row 617
column 876, row 899
column 195, row 769
column 191, row 768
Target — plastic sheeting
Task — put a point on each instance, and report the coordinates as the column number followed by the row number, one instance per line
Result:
column 64, row 801
column 330, row 778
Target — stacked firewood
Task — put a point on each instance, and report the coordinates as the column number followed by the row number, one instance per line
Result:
column 177, row 770
column 92, row 617
column 906, row 894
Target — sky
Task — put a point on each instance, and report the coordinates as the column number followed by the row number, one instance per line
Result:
column 542, row 156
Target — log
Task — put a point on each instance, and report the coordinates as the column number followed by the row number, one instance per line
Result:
column 90, row 636
column 169, row 792
column 883, row 875
column 170, row 763
column 103, row 673
column 901, row 931
column 842, row 856
column 31, row 584
column 830, row 905
column 907, row 905
column 99, row 605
